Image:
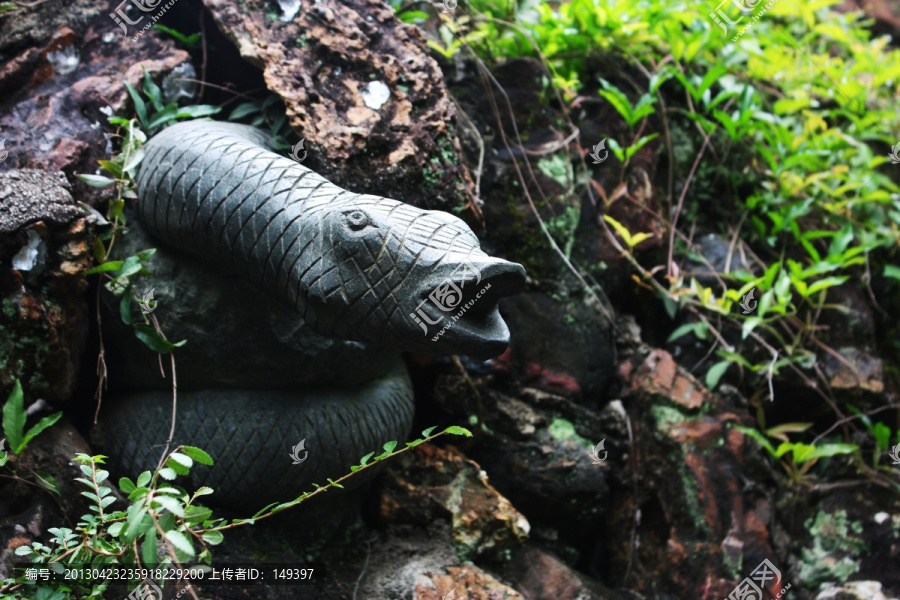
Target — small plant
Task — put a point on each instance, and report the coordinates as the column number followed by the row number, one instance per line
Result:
column 158, row 511
column 271, row 113
column 796, row 458
column 188, row 41
column 14, row 420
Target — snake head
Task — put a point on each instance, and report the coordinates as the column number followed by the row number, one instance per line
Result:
column 409, row 278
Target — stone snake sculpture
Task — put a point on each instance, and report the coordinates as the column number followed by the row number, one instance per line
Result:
column 296, row 297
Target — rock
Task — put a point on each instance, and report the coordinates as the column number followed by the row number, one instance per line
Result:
column 660, row 376
column 431, row 483
column 538, row 574
column 43, row 313
column 852, row 590
column 536, row 454
column 563, row 348
column 847, row 533
column 853, row 369
column 375, row 115
column 29, row 195
column 698, row 522
column 27, row 511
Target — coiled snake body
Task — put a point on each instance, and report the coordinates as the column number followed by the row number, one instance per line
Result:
column 322, row 288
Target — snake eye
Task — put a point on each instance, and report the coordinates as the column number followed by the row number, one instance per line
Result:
column 356, row 219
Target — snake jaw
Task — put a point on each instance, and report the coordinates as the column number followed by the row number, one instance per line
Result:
column 459, row 312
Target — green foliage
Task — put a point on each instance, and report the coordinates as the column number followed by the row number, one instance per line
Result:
column 158, row 511
column 152, row 116
column 271, row 113
column 188, row 41
column 796, row 458
column 14, row 421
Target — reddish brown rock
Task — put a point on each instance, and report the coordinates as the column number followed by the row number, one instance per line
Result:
column 538, row 574
column 430, row 483
column 324, row 63
column 700, row 526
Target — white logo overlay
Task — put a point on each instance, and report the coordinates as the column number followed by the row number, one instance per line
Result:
column 751, row 588
column 595, row 152
column 447, row 297
column 451, row 595
column 748, row 304
column 146, row 590
column 295, row 151
column 296, row 450
column 4, row 153
column 595, row 453
column 448, row 6
column 147, row 303
column 120, row 16
column 895, row 154
column 746, row 8
column 894, row 454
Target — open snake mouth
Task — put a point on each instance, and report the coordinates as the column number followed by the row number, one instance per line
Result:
column 460, row 311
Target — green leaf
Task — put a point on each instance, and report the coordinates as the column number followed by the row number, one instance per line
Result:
column 125, row 308
column 47, row 481
column 830, row 450
column 148, row 549
column 113, row 265
column 366, row 458
column 455, row 430
column 139, row 107
column 126, row 485
column 168, row 473
column 144, row 478
column 213, row 537
column 14, row 417
column 138, row 521
column 892, row 271
column 242, row 110
column 180, row 541
column 197, row 454
column 182, row 460
column 428, row 431
column 203, row 491
column 756, row 435
column 98, row 181
column 152, row 339
column 195, row 515
column 715, row 373
column 171, row 504
column 153, row 92
column 133, row 161
column 41, row 425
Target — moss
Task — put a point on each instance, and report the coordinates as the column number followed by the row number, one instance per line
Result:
column 833, row 553
column 563, row 430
